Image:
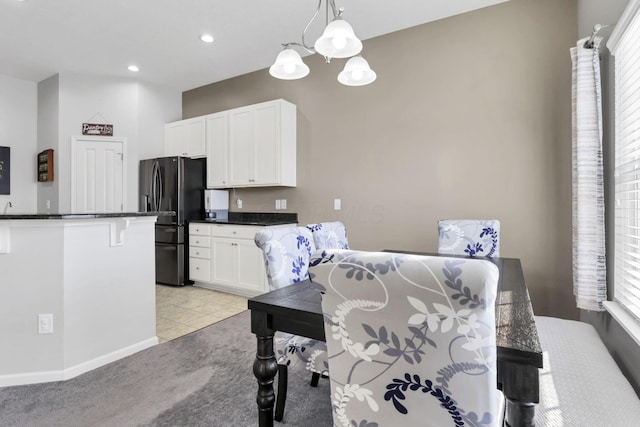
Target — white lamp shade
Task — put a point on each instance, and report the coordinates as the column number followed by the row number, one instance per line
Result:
column 338, row 41
column 288, row 66
column 357, row 72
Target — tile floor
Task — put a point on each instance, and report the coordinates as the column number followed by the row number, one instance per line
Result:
column 180, row 310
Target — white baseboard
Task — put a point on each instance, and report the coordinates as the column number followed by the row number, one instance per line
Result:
column 74, row 371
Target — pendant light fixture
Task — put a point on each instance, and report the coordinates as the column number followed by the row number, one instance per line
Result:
column 337, row 41
column 289, row 65
column 357, row 72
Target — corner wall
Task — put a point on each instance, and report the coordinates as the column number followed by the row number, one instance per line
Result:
column 18, row 112
column 138, row 112
column 48, row 130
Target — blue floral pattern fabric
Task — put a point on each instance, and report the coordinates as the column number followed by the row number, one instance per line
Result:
column 411, row 339
column 287, row 251
column 469, row 237
column 329, row 235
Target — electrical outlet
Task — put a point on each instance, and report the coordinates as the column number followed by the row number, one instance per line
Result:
column 283, row 204
column 278, row 204
column 337, row 204
column 239, row 203
column 45, row 323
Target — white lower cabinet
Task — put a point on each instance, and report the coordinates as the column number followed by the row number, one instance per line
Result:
column 233, row 262
column 200, row 252
column 199, row 269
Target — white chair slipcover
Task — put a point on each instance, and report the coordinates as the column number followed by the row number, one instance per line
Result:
column 287, row 251
column 329, row 235
column 411, row 339
column 469, row 237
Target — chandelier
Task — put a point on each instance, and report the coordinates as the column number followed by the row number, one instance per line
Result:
column 337, row 41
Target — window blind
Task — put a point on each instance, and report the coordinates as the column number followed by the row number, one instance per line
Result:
column 626, row 49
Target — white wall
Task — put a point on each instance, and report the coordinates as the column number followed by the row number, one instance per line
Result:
column 137, row 112
column 18, row 112
column 38, row 116
column 48, row 124
column 102, row 311
column 155, row 105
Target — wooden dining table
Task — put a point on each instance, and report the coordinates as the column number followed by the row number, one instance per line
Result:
column 297, row 309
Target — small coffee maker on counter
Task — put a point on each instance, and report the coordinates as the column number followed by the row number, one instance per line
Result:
column 216, row 205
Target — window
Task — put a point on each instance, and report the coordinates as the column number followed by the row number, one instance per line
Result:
column 625, row 46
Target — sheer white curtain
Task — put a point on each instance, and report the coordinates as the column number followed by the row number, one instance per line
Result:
column 589, row 268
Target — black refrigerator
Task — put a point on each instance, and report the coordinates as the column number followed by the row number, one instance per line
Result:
column 172, row 184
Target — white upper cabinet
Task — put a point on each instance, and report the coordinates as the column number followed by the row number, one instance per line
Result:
column 185, row 138
column 217, row 137
column 252, row 146
column 241, row 147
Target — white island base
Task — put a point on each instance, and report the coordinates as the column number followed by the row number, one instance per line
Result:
column 95, row 276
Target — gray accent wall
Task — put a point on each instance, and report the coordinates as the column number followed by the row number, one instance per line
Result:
column 470, row 118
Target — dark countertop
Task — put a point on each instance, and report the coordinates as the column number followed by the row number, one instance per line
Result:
column 254, row 218
column 83, row 216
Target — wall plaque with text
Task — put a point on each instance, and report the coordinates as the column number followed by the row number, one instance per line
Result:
column 97, row 129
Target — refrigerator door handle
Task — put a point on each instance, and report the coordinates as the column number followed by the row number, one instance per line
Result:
column 160, row 189
column 156, row 187
column 152, row 190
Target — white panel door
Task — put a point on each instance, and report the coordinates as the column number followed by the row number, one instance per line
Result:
column 98, row 175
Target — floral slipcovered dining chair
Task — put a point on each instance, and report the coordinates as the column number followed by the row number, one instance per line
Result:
column 469, row 237
column 411, row 339
column 329, row 235
column 287, row 251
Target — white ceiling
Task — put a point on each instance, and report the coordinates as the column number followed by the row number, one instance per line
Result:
column 39, row 38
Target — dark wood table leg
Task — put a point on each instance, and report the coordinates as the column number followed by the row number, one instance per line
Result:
column 264, row 367
column 521, row 389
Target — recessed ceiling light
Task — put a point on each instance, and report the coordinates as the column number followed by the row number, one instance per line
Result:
column 133, row 68
column 207, row 38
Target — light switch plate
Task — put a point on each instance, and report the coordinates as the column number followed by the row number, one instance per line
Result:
column 337, row 204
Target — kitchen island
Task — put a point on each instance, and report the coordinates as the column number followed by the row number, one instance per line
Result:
column 77, row 291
